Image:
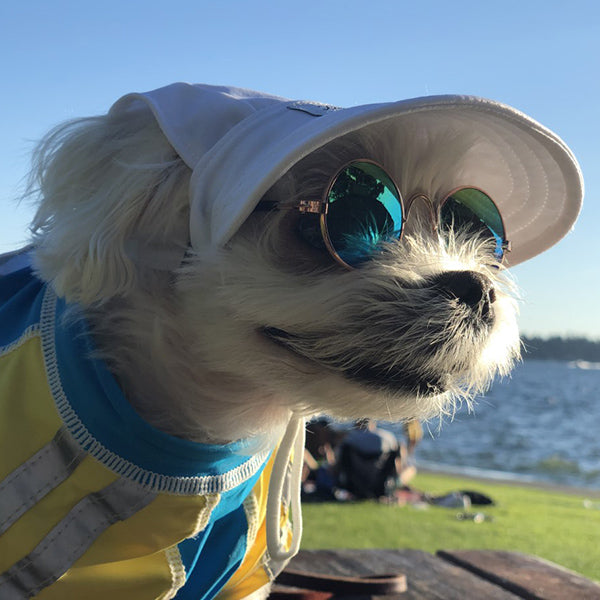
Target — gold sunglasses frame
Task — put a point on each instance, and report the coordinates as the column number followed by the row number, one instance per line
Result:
column 321, row 207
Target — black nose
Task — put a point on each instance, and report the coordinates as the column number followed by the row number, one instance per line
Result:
column 470, row 288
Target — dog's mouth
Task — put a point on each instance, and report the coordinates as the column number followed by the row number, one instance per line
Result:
column 422, row 348
column 399, row 379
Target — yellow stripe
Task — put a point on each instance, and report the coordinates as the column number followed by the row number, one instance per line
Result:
column 28, row 418
column 136, row 579
column 129, row 559
column 166, row 521
column 34, row 478
column 26, row 533
column 178, row 517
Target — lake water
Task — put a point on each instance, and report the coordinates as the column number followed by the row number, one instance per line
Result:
column 541, row 424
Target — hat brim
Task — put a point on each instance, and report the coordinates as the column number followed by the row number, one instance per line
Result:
column 530, row 173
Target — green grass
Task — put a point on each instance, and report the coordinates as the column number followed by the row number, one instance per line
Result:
column 551, row 524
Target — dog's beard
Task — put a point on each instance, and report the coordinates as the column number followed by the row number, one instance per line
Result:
column 390, row 346
column 385, row 340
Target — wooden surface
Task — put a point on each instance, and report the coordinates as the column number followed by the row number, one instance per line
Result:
column 456, row 575
column 527, row 576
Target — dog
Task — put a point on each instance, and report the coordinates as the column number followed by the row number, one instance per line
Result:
column 194, row 290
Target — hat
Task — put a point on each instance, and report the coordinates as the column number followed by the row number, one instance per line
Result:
column 239, row 142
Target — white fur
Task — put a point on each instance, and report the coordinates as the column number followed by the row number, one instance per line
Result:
column 188, row 346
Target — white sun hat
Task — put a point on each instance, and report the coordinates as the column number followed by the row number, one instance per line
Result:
column 239, row 142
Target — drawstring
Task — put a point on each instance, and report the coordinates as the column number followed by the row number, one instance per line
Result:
column 276, row 544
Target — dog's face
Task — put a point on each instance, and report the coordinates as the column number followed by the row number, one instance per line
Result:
column 419, row 326
column 270, row 323
column 429, row 319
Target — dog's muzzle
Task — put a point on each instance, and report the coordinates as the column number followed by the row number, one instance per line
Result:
column 395, row 350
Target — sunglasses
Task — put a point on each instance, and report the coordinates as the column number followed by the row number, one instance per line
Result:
column 362, row 210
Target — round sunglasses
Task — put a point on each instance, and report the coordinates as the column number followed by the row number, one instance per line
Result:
column 362, row 209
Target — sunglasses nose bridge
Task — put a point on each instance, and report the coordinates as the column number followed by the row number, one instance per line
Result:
column 420, row 214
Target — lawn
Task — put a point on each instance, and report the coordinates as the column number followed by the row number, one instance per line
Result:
column 551, row 524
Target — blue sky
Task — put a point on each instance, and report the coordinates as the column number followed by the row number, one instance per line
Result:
column 64, row 59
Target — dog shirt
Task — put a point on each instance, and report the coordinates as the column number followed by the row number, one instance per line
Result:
column 96, row 503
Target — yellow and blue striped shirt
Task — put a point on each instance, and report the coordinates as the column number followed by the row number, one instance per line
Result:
column 94, row 502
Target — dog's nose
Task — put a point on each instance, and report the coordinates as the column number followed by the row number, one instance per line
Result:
column 469, row 287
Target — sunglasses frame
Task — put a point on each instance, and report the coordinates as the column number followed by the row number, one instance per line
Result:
column 505, row 245
column 321, row 207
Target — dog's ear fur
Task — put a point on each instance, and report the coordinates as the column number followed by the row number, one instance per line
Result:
column 106, row 184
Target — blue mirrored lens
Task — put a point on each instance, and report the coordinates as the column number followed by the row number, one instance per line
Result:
column 474, row 212
column 363, row 212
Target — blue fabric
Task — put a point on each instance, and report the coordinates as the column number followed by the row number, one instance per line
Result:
column 225, row 538
column 98, row 401
column 20, row 302
column 222, row 546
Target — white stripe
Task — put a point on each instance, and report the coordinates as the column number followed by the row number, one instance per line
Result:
column 40, row 474
column 188, row 486
column 69, row 540
column 251, row 509
column 177, row 568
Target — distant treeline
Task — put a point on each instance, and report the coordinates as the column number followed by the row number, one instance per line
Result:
column 558, row 348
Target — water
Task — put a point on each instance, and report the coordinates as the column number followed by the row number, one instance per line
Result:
column 542, row 424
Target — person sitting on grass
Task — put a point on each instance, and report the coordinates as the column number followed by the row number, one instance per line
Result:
column 369, row 461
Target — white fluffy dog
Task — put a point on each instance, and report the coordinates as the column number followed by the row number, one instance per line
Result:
column 190, row 234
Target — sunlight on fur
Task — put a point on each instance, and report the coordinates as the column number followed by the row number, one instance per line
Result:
column 189, row 347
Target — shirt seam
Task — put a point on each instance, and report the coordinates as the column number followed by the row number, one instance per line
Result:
column 177, row 485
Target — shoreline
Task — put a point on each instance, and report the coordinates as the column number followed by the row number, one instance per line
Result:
column 498, row 477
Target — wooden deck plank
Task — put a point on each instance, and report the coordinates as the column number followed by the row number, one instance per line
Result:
column 528, row 576
column 428, row 577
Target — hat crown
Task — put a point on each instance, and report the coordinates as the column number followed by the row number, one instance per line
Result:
column 194, row 117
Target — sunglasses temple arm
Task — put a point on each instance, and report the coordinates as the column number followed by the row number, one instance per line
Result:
column 304, row 206
column 266, row 206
